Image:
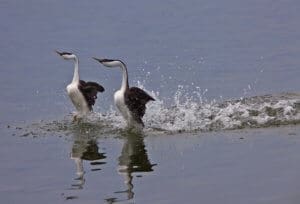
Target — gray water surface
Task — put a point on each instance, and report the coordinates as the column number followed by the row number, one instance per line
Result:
column 213, row 67
column 224, row 47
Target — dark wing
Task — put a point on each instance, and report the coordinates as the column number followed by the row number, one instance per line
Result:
column 96, row 85
column 89, row 91
column 136, row 99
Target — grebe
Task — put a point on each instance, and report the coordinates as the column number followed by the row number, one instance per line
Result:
column 82, row 94
column 131, row 102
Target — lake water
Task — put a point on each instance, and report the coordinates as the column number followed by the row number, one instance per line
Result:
column 224, row 75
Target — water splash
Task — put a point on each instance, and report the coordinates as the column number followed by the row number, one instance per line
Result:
column 188, row 113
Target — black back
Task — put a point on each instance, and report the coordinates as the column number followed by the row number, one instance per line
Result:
column 89, row 90
column 136, row 99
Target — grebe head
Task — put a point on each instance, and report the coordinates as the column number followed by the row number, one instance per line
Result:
column 110, row 62
column 66, row 55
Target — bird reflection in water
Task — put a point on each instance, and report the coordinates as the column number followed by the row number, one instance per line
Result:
column 85, row 149
column 133, row 159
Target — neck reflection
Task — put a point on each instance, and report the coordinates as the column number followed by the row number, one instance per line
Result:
column 133, row 159
column 85, row 149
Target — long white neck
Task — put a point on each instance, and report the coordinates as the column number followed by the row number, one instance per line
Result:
column 76, row 72
column 125, row 84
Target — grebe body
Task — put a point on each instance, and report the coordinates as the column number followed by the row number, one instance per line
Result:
column 82, row 94
column 131, row 101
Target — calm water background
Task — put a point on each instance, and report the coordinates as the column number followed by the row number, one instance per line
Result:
column 228, row 49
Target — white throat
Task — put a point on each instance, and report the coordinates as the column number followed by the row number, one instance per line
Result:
column 125, row 84
column 76, row 71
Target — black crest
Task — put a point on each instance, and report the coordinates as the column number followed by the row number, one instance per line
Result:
column 63, row 53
